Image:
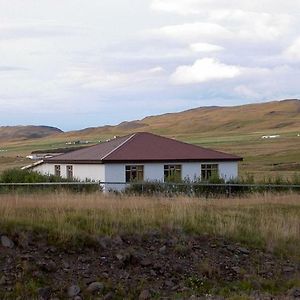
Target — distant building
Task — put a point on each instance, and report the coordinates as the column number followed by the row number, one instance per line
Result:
column 139, row 157
column 270, row 136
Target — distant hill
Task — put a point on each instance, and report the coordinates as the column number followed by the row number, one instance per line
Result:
column 275, row 116
column 9, row 133
column 270, row 117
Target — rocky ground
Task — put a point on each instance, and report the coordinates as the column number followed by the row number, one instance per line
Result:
column 149, row 266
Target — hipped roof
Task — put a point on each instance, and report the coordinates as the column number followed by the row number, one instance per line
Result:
column 142, row 147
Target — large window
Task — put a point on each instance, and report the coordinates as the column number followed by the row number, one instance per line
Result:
column 134, row 173
column 69, row 172
column 172, row 173
column 208, row 171
column 57, row 170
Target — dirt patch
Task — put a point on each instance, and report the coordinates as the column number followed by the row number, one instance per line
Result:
column 149, row 266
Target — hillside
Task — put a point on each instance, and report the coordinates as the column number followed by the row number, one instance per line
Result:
column 237, row 130
column 8, row 133
column 275, row 116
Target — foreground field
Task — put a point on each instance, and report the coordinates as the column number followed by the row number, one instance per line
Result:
column 144, row 248
column 260, row 220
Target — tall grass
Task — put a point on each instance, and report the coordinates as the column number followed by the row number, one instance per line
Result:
column 265, row 220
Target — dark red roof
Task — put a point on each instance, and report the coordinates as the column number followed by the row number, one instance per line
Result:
column 142, row 147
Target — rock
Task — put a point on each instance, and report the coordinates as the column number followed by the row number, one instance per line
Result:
column 109, row 296
column 6, row 242
column 243, row 251
column 49, row 266
column 295, row 293
column 230, row 248
column 236, row 270
column 288, row 269
column 44, row 293
column 146, row 262
column 77, row 297
column 118, row 241
column 73, row 291
column 178, row 268
column 95, row 287
column 169, row 283
column 2, row 280
column 163, row 249
column 145, row 295
column 104, row 242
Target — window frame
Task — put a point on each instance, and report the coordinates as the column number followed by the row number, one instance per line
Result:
column 209, row 170
column 57, row 170
column 69, row 171
column 171, row 169
column 130, row 169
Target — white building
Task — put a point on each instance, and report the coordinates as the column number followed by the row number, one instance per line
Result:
column 140, row 157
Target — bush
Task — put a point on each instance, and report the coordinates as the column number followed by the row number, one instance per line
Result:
column 26, row 176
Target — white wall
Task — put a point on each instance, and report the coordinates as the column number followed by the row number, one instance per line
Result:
column 80, row 171
column 228, row 170
column 155, row 171
column 152, row 171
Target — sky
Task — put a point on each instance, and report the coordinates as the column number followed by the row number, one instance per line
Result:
column 74, row 64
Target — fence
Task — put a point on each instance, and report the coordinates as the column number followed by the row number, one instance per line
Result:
column 153, row 188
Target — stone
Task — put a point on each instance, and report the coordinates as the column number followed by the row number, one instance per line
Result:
column 6, row 242
column 95, row 287
column 118, row 241
column 243, row 251
column 288, row 269
column 2, row 280
column 44, row 293
column 145, row 295
column 236, row 270
column 73, row 291
column 163, row 249
column 49, row 266
column 295, row 293
column 146, row 262
column 109, row 296
column 104, row 242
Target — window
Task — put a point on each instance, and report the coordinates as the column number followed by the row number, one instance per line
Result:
column 57, row 170
column 208, row 171
column 134, row 173
column 70, row 172
column 172, row 173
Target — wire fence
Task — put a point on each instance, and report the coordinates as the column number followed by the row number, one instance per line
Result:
column 152, row 188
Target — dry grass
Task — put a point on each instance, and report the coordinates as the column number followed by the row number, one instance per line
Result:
column 272, row 221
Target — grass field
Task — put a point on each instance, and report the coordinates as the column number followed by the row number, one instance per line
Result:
column 268, row 221
column 237, row 130
column 262, row 157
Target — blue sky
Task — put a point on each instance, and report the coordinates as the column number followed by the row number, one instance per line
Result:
column 75, row 63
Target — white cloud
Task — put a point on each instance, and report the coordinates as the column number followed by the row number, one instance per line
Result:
column 245, row 91
column 293, row 51
column 93, row 78
column 191, row 31
column 192, row 7
column 205, row 47
column 203, row 70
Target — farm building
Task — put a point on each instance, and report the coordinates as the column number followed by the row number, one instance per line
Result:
column 140, row 157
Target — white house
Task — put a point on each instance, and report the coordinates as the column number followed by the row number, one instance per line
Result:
column 140, row 157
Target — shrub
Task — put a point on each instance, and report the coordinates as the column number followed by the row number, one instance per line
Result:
column 27, row 176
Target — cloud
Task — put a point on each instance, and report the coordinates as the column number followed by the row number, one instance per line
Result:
column 293, row 51
column 38, row 29
column 205, row 47
column 194, row 7
column 245, row 91
column 191, row 31
column 203, row 70
column 93, row 78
